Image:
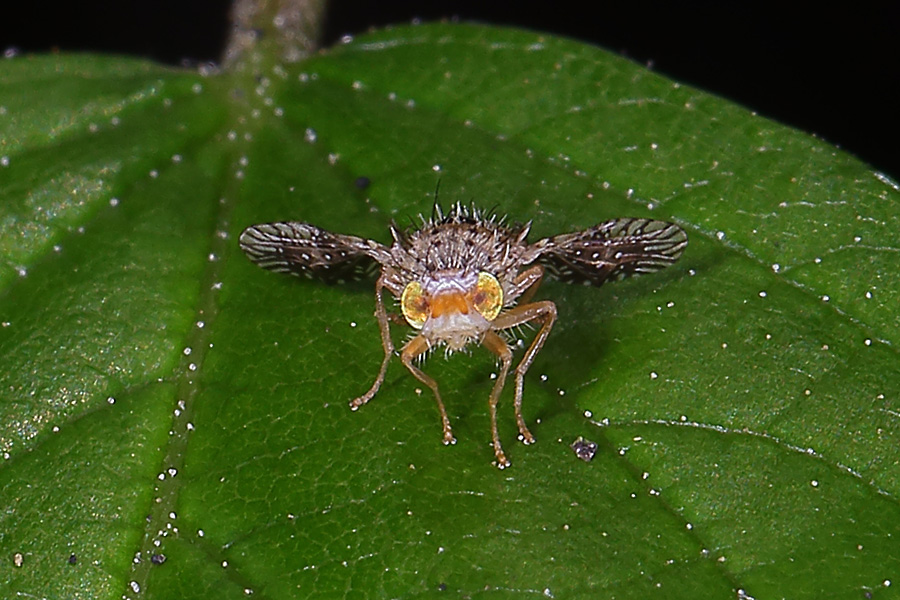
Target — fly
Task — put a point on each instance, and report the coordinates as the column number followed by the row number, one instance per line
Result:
column 464, row 278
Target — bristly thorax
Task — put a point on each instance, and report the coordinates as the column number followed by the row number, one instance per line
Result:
column 459, row 245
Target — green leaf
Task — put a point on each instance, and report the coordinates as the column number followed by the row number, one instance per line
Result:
column 163, row 397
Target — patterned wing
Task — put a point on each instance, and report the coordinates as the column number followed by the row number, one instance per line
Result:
column 302, row 249
column 611, row 250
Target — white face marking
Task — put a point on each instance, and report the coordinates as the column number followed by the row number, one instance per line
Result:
column 455, row 329
column 449, row 282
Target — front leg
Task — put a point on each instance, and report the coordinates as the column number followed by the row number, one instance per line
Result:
column 382, row 317
column 545, row 312
column 415, row 348
column 495, row 344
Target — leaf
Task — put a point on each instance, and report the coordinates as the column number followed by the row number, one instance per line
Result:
column 163, row 398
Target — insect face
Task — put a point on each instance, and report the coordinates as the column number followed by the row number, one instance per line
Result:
column 452, row 308
column 465, row 278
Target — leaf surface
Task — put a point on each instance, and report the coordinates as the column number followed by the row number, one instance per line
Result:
column 162, row 399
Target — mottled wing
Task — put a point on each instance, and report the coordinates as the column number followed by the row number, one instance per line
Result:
column 302, row 249
column 611, row 250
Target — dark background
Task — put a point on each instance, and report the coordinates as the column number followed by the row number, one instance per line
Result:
column 828, row 70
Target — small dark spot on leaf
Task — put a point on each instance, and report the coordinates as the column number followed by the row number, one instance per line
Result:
column 584, row 449
column 158, row 559
column 73, row 559
column 362, row 182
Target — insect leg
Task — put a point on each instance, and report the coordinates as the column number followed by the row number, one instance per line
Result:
column 495, row 344
column 544, row 311
column 414, row 348
column 382, row 317
column 526, row 284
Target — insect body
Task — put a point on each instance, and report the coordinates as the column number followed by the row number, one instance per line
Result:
column 466, row 277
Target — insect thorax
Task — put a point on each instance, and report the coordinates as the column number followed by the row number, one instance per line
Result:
column 441, row 253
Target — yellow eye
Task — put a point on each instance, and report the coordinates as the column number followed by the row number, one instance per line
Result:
column 414, row 305
column 488, row 296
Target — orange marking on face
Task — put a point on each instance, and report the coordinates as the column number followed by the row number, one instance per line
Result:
column 452, row 302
